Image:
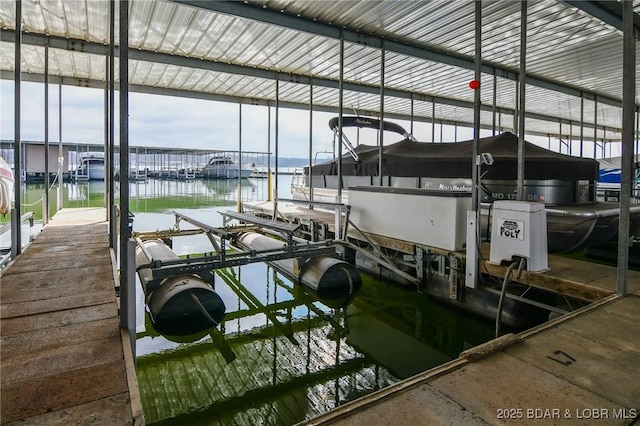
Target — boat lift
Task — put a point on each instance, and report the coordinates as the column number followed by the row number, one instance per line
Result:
column 169, row 281
column 219, row 236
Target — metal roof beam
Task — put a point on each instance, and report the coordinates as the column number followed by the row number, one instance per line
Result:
column 181, row 61
column 608, row 12
column 99, row 84
column 54, row 42
column 262, row 14
column 165, row 58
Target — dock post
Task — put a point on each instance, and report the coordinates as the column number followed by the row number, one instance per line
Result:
column 128, row 297
column 15, row 224
column 628, row 107
column 16, row 238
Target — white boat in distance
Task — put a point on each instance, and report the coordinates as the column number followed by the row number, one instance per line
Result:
column 90, row 168
column 220, row 167
column 6, row 187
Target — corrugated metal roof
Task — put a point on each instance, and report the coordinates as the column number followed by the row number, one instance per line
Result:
column 429, row 46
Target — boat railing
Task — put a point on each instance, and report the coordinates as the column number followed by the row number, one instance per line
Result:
column 298, row 180
column 80, row 176
column 6, row 252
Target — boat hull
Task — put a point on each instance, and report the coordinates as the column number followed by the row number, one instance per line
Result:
column 225, row 173
column 6, row 187
column 569, row 228
column 96, row 172
column 90, row 168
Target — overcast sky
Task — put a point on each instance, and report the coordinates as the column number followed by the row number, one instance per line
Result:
column 165, row 121
column 177, row 122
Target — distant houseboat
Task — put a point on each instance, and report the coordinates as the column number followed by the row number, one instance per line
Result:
column 220, row 167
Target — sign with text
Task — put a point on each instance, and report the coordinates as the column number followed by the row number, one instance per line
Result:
column 511, row 229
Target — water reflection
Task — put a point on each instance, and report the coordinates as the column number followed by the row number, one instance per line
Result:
column 158, row 194
column 291, row 356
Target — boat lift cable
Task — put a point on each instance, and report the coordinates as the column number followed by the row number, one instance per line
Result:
column 202, row 308
column 505, row 282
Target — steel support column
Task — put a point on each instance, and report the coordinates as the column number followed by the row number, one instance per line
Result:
column 381, row 138
column 105, row 148
column 595, row 126
column 581, row 125
column 523, row 84
column 338, row 210
column 45, row 200
column 340, row 114
column 628, row 112
column 60, row 194
column 433, row 121
column 16, row 234
column 125, row 231
column 310, row 142
column 239, row 203
column 637, row 150
column 269, row 182
column 473, row 217
column 493, row 106
column 570, row 138
column 277, row 118
column 412, row 112
column 112, row 108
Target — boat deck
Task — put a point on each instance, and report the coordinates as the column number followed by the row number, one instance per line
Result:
column 63, row 357
column 581, row 368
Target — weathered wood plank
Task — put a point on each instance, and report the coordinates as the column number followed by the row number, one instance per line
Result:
column 18, row 309
column 11, row 326
column 39, row 395
column 576, row 360
column 57, row 262
column 60, row 236
column 39, row 285
column 59, row 253
column 607, row 328
column 104, row 412
column 552, row 281
column 18, row 345
column 628, row 307
column 504, row 381
column 60, row 359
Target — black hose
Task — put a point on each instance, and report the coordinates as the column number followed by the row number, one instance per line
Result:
column 503, row 292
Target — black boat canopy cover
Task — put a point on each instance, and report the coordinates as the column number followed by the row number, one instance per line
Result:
column 409, row 158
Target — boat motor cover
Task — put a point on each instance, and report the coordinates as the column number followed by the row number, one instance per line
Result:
column 454, row 160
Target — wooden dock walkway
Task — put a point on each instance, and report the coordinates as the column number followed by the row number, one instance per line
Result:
column 582, row 368
column 63, row 358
